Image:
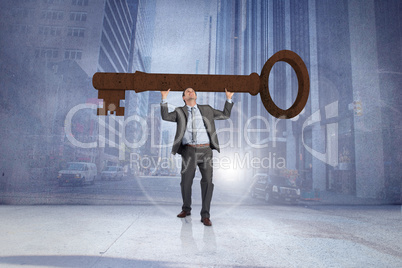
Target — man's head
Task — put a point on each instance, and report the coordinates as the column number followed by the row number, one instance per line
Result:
column 189, row 96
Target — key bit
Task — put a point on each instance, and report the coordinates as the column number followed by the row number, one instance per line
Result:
column 111, row 102
column 111, row 86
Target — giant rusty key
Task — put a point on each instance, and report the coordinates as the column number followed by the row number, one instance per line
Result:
column 112, row 86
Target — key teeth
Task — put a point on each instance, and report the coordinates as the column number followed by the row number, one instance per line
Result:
column 101, row 111
column 119, row 111
column 111, row 102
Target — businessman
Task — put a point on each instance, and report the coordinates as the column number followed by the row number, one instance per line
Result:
column 194, row 140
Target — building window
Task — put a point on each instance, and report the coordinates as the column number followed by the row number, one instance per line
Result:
column 49, row 53
column 78, row 16
column 52, row 15
column 25, row 29
column 50, row 30
column 19, row 29
column 79, row 32
column 72, row 54
column 79, row 2
column 22, row 13
column 53, row 1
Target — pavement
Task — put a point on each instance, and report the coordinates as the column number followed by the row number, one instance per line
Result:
column 150, row 189
column 324, row 198
column 150, row 235
column 333, row 198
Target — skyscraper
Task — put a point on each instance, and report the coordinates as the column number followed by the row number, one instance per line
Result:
column 340, row 142
column 46, row 42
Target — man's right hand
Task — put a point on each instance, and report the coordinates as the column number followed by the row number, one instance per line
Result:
column 164, row 94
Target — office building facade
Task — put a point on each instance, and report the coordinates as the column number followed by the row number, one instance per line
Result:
column 342, row 139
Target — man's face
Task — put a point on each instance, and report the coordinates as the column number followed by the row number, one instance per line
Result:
column 189, row 94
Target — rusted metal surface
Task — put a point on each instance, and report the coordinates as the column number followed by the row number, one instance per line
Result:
column 111, row 86
column 301, row 71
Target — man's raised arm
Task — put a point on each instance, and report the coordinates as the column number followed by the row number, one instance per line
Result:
column 164, row 108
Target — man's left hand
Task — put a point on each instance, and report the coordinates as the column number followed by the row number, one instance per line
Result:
column 228, row 94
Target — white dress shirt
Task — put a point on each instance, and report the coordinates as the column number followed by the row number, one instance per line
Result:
column 202, row 135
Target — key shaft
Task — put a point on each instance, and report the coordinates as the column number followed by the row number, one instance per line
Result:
column 140, row 82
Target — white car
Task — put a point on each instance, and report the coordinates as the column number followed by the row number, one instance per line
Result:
column 112, row 173
column 78, row 173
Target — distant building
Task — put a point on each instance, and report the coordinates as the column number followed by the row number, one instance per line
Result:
column 85, row 31
column 353, row 72
column 97, row 35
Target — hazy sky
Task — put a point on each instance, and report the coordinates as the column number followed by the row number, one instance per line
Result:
column 179, row 37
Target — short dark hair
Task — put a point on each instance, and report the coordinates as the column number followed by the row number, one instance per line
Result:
column 188, row 88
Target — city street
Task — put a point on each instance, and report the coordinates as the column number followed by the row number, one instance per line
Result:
column 130, row 190
column 145, row 232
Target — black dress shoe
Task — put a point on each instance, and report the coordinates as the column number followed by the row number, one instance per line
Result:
column 183, row 214
column 206, row 221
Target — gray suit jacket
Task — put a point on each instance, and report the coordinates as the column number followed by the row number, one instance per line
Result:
column 209, row 114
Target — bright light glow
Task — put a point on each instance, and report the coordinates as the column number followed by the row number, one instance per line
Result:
column 226, row 167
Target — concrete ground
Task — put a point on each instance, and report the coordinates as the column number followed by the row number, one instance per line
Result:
column 241, row 236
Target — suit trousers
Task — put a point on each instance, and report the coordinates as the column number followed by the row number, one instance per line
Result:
column 191, row 158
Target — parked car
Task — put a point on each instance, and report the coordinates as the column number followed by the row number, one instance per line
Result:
column 275, row 188
column 78, row 173
column 112, row 173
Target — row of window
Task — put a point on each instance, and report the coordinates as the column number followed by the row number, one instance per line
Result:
column 46, row 30
column 76, row 32
column 52, row 15
column 73, row 2
column 52, row 2
column 50, row 30
column 22, row 13
column 56, row 31
column 53, row 53
column 18, row 2
column 73, row 54
column 20, row 28
column 78, row 16
column 59, row 15
column 79, row 2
